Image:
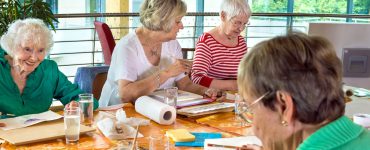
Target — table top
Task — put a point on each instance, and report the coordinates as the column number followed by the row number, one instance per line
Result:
column 224, row 123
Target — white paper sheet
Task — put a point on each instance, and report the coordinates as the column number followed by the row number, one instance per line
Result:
column 237, row 142
column 28, row 120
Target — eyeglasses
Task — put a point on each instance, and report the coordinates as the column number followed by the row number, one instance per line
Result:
column 242, row 107
column 239, row 24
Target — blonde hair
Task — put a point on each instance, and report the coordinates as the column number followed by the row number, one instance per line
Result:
column 159, row 15
column 233, row 8
column 28, row 29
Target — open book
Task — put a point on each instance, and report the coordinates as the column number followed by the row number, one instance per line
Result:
column 184, row 98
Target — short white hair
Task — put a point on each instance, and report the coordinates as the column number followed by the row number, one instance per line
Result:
column 233, row 8
column 28, row 29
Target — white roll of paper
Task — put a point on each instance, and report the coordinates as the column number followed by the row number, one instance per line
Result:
column 155, row 110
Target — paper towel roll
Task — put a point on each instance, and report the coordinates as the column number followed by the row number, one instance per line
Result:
column 155, row 110
column 362, row 119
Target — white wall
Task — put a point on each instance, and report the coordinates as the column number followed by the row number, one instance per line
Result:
column 345, row 35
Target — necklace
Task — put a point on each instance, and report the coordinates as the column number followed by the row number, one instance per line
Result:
column 154, row 51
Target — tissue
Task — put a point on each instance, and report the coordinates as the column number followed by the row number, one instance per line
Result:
column 132, row 121
column 155, row 110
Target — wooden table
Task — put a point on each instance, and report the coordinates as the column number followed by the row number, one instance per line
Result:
column 223, row 123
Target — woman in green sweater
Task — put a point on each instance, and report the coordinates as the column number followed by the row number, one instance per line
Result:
column 293, row 86
column 29, row 83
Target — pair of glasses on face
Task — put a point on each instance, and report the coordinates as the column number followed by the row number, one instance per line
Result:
column 243, row 107
column 239, row 24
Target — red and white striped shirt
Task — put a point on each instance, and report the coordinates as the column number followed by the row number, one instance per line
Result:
column 213, row 60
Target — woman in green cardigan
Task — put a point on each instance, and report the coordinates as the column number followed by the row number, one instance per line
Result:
column 293, row 86
column 29, row 83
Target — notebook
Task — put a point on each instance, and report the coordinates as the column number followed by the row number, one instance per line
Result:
column 206, row 109
column 184, row 99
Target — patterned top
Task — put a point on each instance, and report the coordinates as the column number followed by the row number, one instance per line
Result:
column 214, row 60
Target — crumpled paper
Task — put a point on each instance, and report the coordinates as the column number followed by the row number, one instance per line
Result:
column 120, row 127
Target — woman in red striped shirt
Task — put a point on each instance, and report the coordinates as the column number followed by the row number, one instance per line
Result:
column 219, row 51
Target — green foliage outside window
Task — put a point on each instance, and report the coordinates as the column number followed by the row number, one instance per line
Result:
column 12, row 10
column 310, row 6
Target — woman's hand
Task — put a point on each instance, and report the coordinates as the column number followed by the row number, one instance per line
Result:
column 2, row 125
column 180, row 66
column 215, row 94
column 72, row 104
column 250, row 147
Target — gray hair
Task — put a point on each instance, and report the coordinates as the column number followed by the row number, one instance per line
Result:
column 305, row 66
column 233, row 8
column 159, row 15
column 28, row 29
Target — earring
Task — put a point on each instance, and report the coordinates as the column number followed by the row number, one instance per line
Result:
column 284, row 123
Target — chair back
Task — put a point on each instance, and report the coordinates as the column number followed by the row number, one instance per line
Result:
column 98, row 84
column 106, row 40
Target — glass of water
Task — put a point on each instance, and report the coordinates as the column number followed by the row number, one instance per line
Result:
column 87, row 107
column 72, row 124
column 240, row 109
column 171, row 96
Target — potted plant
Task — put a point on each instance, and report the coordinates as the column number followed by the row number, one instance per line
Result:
column 11, row 10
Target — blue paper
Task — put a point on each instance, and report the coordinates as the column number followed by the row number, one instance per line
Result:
column 199, row 139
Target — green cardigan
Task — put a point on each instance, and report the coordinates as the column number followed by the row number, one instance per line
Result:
column 341, row 134
column 43, row 84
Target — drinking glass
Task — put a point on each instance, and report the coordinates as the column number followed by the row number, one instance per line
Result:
column 240, row 108
column 171, row 96
column 72, row 124
column 159, row 142
column 87, row 107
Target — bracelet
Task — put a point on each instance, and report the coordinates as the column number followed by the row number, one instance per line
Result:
column 158, row 80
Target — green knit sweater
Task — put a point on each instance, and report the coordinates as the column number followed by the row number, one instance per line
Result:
column 341, row 134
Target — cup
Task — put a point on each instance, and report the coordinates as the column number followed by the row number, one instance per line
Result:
column 72, row 124
column 362, row 120
column 87, row 107
column 240, row 108
column 170, row 97
column 159, row 142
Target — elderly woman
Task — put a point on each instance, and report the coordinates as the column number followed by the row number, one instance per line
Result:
column 150, row 58
column 219, row 51
column 29, row 83
column 293, row 85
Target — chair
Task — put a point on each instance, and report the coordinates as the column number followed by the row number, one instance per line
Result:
column 106, row 40
column 91, row 79
column 98, row 84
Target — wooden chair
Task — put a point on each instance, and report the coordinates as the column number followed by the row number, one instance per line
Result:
column 106, row 40
column 91, row 79
column 98, row 84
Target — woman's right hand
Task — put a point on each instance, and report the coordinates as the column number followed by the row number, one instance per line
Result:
column 180, row 66
column 72, row 104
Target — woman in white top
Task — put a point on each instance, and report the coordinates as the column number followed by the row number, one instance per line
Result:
column 150, row 58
